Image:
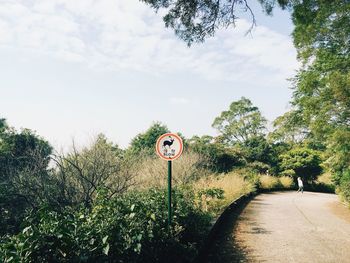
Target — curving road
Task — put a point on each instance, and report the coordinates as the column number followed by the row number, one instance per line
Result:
column 285, row 227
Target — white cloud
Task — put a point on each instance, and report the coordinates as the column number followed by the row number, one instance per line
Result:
column 126, row 34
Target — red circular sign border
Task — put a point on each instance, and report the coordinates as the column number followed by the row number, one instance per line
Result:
column 181, row 144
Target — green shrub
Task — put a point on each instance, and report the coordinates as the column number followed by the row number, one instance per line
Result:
column 131, row 228
column 321, row 187
column 344, row 186
column 268, row 182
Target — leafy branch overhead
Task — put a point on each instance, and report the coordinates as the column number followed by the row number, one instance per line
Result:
column 195, row 20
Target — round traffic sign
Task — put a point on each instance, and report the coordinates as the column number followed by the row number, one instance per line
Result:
column 169, row 146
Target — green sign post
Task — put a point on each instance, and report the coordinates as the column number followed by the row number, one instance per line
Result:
column 169, row 193
column 169, row 147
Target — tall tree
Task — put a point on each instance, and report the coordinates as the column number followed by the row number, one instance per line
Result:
column 322, row 86
column 25, row 179
column 240, row 122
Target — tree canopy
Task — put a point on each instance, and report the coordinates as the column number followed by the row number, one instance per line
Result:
column 145, row 142
column 195, row 20
column 240, row 122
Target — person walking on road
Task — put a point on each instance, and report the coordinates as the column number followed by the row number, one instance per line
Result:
column 301, row 185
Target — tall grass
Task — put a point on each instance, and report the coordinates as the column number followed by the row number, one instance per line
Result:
column 268, row 182
column 185, row 170
column 286, row 182
column 233, row 184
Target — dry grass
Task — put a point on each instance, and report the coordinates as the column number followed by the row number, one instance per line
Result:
column 153, row 171
column 325, row 178
column 286, row 182
column 233, row 185
column 268, row 182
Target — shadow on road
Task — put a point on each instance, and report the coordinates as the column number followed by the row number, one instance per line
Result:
column 226, row 246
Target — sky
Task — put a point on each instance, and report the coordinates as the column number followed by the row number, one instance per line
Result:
column 73, row 69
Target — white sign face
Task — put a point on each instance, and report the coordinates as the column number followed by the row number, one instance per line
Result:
column 169, row 146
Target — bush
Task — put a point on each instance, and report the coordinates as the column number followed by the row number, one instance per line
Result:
column 321, row 187
column 344, row 186
column 286, row 182
column 268, row 182
column 152, row 172
column 233, row 185
column 130, row 228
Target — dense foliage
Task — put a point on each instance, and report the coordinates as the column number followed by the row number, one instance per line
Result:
column 128, row 228
column 241, row 122
column 304, row 163
column 322, row 87
column 24, row 175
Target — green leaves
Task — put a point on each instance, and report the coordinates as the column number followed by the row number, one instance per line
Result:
column 322, row 86
column 106, row 249
column 130, row 228
column 195, row 20
column 304, row 162
column 241, row 122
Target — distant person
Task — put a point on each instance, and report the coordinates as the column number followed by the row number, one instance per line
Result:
column 301, row 185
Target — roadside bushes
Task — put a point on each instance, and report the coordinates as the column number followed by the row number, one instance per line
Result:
column 233, row 185
column 267, row 182
column 129, row 228
column 344, row 186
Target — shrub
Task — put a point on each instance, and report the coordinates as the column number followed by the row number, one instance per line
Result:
column 268, row 182
column 344, row 187
column 233, row 185
column 153, row 171
column 130, row 228
column 286, row 182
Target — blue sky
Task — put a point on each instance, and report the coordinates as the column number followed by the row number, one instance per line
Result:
column 72, row 69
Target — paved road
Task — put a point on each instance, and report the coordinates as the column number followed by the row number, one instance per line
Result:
column 286, row 227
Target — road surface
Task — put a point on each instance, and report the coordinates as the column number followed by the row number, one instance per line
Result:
column 285, row 227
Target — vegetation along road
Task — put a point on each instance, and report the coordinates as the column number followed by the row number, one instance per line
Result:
column 286, row 227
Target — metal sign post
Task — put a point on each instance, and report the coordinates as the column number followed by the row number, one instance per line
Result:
column 169, row 193
column 169, row 147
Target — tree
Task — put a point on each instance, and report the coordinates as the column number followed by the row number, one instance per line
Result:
column 82, row 173
column 195, row 20
column 25, row 179
column 322, row 86
column 304, row 162
column 258, row 149
column 145, row 142
column 217, row 156
column 289, row 128
column 241, row 122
